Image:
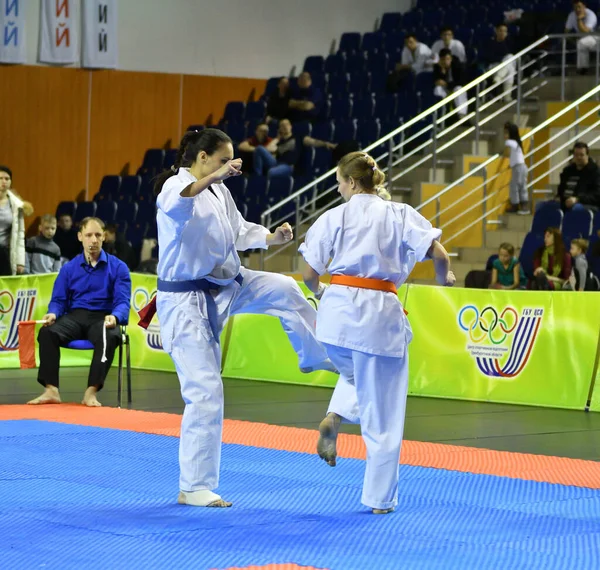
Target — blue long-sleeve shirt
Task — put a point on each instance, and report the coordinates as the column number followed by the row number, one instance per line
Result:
column 106, row 287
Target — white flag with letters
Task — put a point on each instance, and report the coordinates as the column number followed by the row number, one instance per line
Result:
column 58, row 31
column 100, row 47
column 12, row 28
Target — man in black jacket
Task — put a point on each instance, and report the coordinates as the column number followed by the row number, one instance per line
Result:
column 579, row 186
column 448, row 77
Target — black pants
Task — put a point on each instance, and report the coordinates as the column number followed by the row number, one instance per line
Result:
column 5, row 268
column 79, row 324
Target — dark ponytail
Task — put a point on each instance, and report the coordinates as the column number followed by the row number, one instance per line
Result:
column 193, row 142
column 513, row 133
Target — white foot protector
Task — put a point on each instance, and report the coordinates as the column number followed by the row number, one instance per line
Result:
column 202, row 498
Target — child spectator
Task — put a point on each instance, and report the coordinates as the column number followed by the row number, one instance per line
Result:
column 507, row 272
column 66, row 238
column 519, row 197
column 42, row 254
column 551, row 263
column 581, row 278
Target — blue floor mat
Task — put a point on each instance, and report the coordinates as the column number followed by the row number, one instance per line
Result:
column 89, row 498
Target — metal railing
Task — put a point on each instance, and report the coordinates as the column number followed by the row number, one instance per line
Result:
column 580, row 119
column 405, row 151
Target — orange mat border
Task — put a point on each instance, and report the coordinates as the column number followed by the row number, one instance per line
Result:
column 542, row 468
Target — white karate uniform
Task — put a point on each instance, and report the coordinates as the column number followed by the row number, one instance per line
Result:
column 456, row 47
column 420, row 60
column 365, row 331
column 587, row 43
column 198, row 238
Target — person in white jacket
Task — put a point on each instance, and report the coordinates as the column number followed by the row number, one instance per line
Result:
column 416, row 56
column 582, row 20
column 12, row 227
column 201, row 283
column 448, row 41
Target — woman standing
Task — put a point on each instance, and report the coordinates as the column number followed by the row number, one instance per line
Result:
column 12, row 227
column 201, row 283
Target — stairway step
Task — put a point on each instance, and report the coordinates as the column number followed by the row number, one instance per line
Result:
column 514, row 237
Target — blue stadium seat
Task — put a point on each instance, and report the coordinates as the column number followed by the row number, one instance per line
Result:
column 385, row 107
column 322, row 162
column 408, row 106
column 314, row 64
column 256, row 187
column 424, row 82
column 66, row 208
column 146, row 192
column 152, row 231
column 271, row 86
column 109, row 188
column 335, row 64
column 530, row 244
column 146, row 213
column 302, row 129
column 279, row 188
column 107, row 211
column 345, row 130
column 237, row 186
column 130, row 188
column 127, row 212
column 169, row 158
column 153, row 162
column 411, row 21
column 84, row 210
column 356, row 63
column 596, row 225
column 256, row 110
column 323, row 130
column 234, row 112
column 577, row 224
column 378, row 81
column 341, row 108
column 359, row 84
column 305, row 163
column 135, row 234
column 372, row 42
column 350, row 42
column 394, row 44
column 390, row 22
column 363, row 108
column 337, row 86
column 368, row 131
column 549, row 215
column 237, row 132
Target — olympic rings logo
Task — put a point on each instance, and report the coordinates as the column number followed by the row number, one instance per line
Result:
column 11, row 303
column 485, row 324
column 142, row 295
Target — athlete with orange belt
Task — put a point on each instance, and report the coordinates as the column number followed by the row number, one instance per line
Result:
column 369, row 245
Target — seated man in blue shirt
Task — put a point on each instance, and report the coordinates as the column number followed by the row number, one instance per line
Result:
column 91, row 291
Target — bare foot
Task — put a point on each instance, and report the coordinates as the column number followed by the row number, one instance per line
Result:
column 383, row 511
column 89, row 398
column 327, row 444
column 202, row 499
column 50, row 396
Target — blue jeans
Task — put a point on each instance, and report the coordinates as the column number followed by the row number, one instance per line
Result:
column 262, row 157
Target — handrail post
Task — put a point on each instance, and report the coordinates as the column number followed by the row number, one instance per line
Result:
column 477, row 111
column 434, row 145
column 484, row 208
column 597, row 63
column 261, row 263
column 519, row 90
column 577, row 120
column 563, row 70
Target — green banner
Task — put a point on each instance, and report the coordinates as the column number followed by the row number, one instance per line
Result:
column 521, row 347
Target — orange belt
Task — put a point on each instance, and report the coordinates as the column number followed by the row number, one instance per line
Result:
column 365, row 283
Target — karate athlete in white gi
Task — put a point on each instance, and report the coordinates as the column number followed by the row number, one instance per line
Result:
column 201, row 283
column 369, row 245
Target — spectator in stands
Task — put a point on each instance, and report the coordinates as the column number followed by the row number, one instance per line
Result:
column 416, row 56
column 12, row 227
column 447, row 41
column 116, row 244
column 66, row 237
column 448, row 78
column 581, row 278
column 261, row 138
column 305, row 99
column 582, row 21
column 551, row 263
column 507, row 272
column 92, row 292
column 519, row 196
column 499, row 49
column 279, row 102
column 42, row 254
column 579, row 186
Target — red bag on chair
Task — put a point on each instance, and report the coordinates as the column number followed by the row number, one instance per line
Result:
column 27, row 344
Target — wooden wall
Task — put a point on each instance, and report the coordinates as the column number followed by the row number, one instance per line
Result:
column 63, row 129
